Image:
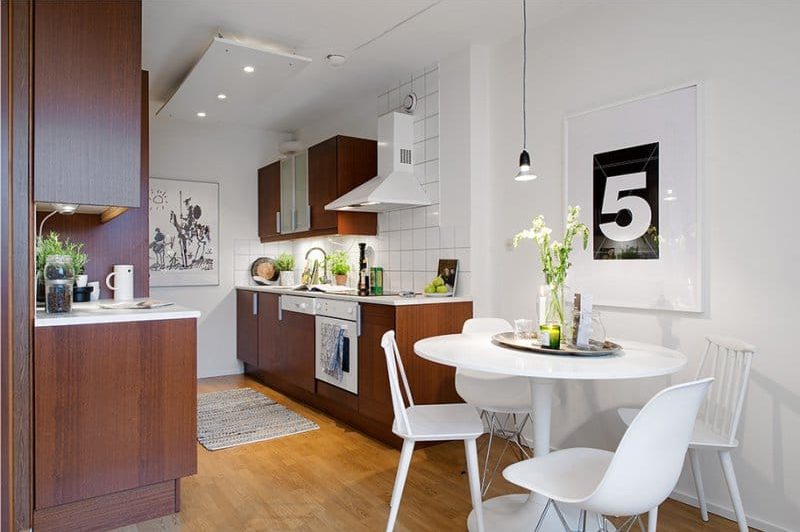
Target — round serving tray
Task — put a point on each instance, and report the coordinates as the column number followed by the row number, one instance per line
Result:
column 264, row 268
column 595, row 349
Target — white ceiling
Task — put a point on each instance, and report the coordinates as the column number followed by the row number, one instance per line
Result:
column 176, row 32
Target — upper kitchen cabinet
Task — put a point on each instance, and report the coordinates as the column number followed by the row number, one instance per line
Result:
column 87, row 102
column 309, row 181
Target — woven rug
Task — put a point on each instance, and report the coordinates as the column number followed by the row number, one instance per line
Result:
column 236, row 417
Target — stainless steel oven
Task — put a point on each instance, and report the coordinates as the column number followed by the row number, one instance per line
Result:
column 338, row 326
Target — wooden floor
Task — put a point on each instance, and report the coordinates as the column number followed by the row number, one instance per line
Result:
column 337, row 479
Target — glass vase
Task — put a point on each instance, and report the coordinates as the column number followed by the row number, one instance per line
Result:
column 558, row 296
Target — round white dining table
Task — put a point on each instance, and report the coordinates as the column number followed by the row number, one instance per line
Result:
column 510, row 513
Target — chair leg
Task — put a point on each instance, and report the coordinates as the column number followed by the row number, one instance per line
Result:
column 694, row 460
column 733, row 489
column 400, row 482
column 471, row 449
column 652, row 518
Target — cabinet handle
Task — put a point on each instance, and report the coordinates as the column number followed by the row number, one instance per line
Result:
column 308, row 217
column 255, row 304
column 294, row 220
column 358, row 320
column 278, row 221
column 280, row 309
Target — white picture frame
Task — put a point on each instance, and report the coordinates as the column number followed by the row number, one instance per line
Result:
column 184, row 232
column 646, row 149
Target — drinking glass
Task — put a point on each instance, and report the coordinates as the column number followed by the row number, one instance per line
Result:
column 523, row 329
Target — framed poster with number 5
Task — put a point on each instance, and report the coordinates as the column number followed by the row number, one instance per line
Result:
column 634, row 169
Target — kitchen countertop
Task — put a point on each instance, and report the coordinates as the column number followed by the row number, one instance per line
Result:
column 377, row 300
column 90, row 313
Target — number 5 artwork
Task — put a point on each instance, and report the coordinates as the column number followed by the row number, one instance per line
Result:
column 634, row 168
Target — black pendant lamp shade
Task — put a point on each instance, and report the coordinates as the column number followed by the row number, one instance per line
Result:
column 525, row 172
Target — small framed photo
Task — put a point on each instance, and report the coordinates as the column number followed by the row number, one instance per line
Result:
column 448, row 271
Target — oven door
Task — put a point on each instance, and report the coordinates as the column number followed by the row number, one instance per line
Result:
column 340, row 370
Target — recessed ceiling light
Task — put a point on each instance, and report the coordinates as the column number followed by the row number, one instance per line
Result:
column 201, row 114
column 221, row 96
column 335, row 60
column 249, row 69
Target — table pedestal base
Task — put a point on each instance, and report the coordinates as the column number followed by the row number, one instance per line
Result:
column 520, row 513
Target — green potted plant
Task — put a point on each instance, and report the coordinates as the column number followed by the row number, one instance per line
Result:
column 339, row 266
column 285, row 265
column 53, row 245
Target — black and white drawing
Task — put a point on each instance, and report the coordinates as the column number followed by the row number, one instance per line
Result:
column 634, row 168
column 184, row 229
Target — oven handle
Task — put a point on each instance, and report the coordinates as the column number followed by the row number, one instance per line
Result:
column 280, row 309
column 358, row 320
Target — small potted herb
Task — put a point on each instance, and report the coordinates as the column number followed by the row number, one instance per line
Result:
column 285, row 265
column 50, row 245
column 339, row 266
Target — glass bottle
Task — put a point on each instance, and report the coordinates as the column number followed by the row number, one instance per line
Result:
column 59, row 276
column 363, row 275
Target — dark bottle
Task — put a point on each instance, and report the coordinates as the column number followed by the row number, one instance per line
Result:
column 363, row 272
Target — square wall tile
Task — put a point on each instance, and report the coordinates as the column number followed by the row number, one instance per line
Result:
column 432, row 190
column 431, row 81
column 431, row 216
column 463, row 257
column 418, row 217
column 418, row 238
column 431, row 149
column 431, row 126
column 432, row 171
column 431, row 260
column 432, row 104
column 383, row 222
column 419, row 130
column 394, row 99
column 394, row 260
column 405, row 219
column 383, row 104
column 406, row 239
column 419, row 172
column 405, row 90
column 448, row 239
column 419, row 152
column 419, row 111
column 462, row 236
column 406, row 281
column 432, row 238
column 419, row 260
column 420, row 281
column 406, row 261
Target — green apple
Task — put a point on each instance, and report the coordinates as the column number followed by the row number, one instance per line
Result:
column 438, row 282
column 430, row 289
column 441, row 289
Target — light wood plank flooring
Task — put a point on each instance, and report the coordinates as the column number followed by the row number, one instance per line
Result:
column 338, row 479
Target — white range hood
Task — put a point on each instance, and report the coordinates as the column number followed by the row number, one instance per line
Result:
column 395, row 187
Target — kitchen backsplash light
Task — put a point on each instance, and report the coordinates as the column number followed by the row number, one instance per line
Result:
column 410, row 242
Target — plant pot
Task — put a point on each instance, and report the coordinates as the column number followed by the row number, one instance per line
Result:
column 81, row 280
column 287, row 278
column 340, row 279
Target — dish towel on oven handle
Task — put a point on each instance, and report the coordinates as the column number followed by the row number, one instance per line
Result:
column 332, row 350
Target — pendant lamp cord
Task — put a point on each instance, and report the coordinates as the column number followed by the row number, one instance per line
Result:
column 524, row 73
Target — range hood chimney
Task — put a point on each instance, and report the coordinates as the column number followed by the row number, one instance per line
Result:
column 395, row 187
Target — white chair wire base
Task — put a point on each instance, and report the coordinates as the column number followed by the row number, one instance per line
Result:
column 511, row 435
column 602, row 522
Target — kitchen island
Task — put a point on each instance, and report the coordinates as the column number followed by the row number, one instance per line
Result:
column 277, row 340
column 115, row 415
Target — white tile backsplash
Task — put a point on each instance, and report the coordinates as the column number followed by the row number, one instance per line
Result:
column 410, row 241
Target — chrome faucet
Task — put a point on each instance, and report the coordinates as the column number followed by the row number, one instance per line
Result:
column 324, row 262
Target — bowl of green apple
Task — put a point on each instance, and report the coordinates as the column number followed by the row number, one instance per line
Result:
column 437, row 288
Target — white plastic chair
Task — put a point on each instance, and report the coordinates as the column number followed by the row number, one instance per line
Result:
column 728, row 360
column 636, row 478
column 495, row 395
column 416, row 423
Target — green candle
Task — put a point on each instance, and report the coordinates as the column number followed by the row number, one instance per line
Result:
column 550, row 335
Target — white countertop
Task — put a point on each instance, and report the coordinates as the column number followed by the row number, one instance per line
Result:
column 377, row 300
column 90, row 313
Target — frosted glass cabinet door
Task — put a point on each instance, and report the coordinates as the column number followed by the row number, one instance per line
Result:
column 301, row 207
column 287, row 195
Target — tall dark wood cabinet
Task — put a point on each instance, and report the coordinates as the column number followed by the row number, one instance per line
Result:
column 87, row 122
column 269, row 357
column 269, row 200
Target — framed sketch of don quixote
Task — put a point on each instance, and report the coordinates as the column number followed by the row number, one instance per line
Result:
column 184, row 232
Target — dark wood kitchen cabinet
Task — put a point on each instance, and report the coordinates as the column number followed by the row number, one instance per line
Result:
column 247, row 327
column 335, row 167
column 87, row 101
column 115, row 422
column 286, row 357
column 269, row 201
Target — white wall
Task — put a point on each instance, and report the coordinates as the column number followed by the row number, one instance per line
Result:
column 746, row 53
column 231, row 156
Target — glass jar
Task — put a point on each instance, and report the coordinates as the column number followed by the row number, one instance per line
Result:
column 59, row 276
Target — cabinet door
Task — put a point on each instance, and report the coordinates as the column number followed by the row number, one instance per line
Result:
column 322, row 187
column 301, row 207
column 296, row 349
column 247, row 326
column 269, row 200
column 268, row 332
column 375, row 401
column 87, row 102
column 287, row 195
